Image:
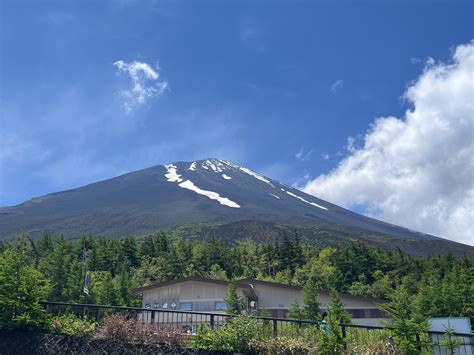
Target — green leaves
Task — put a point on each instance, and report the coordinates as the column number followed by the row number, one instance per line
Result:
column 235, row 304
column 409, row 323
column 311, row 301
column 69, row 324
column 236, row 336
column 440, row 285
column 22, row 288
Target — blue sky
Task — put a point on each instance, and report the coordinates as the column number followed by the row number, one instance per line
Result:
column 275, row 86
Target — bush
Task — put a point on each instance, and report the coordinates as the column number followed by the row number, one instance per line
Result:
column 235, row 336
column 71, row 325
column 172, row 336
column 129, row 330
column 283, row 345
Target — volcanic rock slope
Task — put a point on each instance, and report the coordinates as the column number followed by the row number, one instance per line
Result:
column 164, row 197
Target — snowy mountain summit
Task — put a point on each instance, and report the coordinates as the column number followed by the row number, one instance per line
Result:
column 226, row 170
column 205, row 191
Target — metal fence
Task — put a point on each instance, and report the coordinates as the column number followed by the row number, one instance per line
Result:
column 186, row 320
column 355, row 337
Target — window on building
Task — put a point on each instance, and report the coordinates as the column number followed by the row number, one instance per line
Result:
column 377, row 313
column 186, row 306
column 357, row 313
column 220, row 306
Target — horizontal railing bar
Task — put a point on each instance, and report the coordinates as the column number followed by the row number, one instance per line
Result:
column 139, row 309
column 365, row 326
column 435, row 332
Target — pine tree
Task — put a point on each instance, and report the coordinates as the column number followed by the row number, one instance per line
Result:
column 73, row 290
column 336, row 310
column 311, row 301
column 102, row 288
column 217, row 273
column 56, row 268
column 296, row 312
column 450, row 341
column 235, row 304
column 130, row 249
column 123, row 288
column 286, row 253
column 409, row 324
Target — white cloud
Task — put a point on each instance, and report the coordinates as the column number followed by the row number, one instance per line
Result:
column 302, row 155
column 417, row 171
column 351, row 144
column 337, row 85
column 145, row 84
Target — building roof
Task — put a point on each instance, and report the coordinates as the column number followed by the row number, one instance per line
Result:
column 181, row 280
column 300, row 288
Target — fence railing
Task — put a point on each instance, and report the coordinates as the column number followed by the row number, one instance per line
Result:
column 187, row 320
column 355, row 337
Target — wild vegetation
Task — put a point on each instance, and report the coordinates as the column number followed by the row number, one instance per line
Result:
column 416, row 288
column 53, row 268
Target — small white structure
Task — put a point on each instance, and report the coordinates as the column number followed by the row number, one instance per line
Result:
column 460, row 325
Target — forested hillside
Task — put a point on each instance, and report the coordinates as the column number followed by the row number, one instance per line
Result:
column 440, row 285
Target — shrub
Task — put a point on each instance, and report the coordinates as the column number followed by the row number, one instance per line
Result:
column 235, row 336
column 117, row 327
column 172, row 336
column 283, row 345
column 71, row 325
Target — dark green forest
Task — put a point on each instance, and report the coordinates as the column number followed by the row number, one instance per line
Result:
column 441, row 285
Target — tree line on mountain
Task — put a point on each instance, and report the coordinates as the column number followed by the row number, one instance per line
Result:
column 53, row 268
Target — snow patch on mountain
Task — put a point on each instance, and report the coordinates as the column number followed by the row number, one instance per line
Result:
column 229, row 164
column 192, row 167
column 226, row 177
column 302, row 199
column 278, row 197
column 172, row 173
column 256, row 176
column 215, row 165
column 188, row 184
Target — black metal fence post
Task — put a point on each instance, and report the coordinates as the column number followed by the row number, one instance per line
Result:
column 343, row 332
column 275, row 328
column 212, row 321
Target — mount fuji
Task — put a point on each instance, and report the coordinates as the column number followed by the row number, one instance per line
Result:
column 210, row 197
